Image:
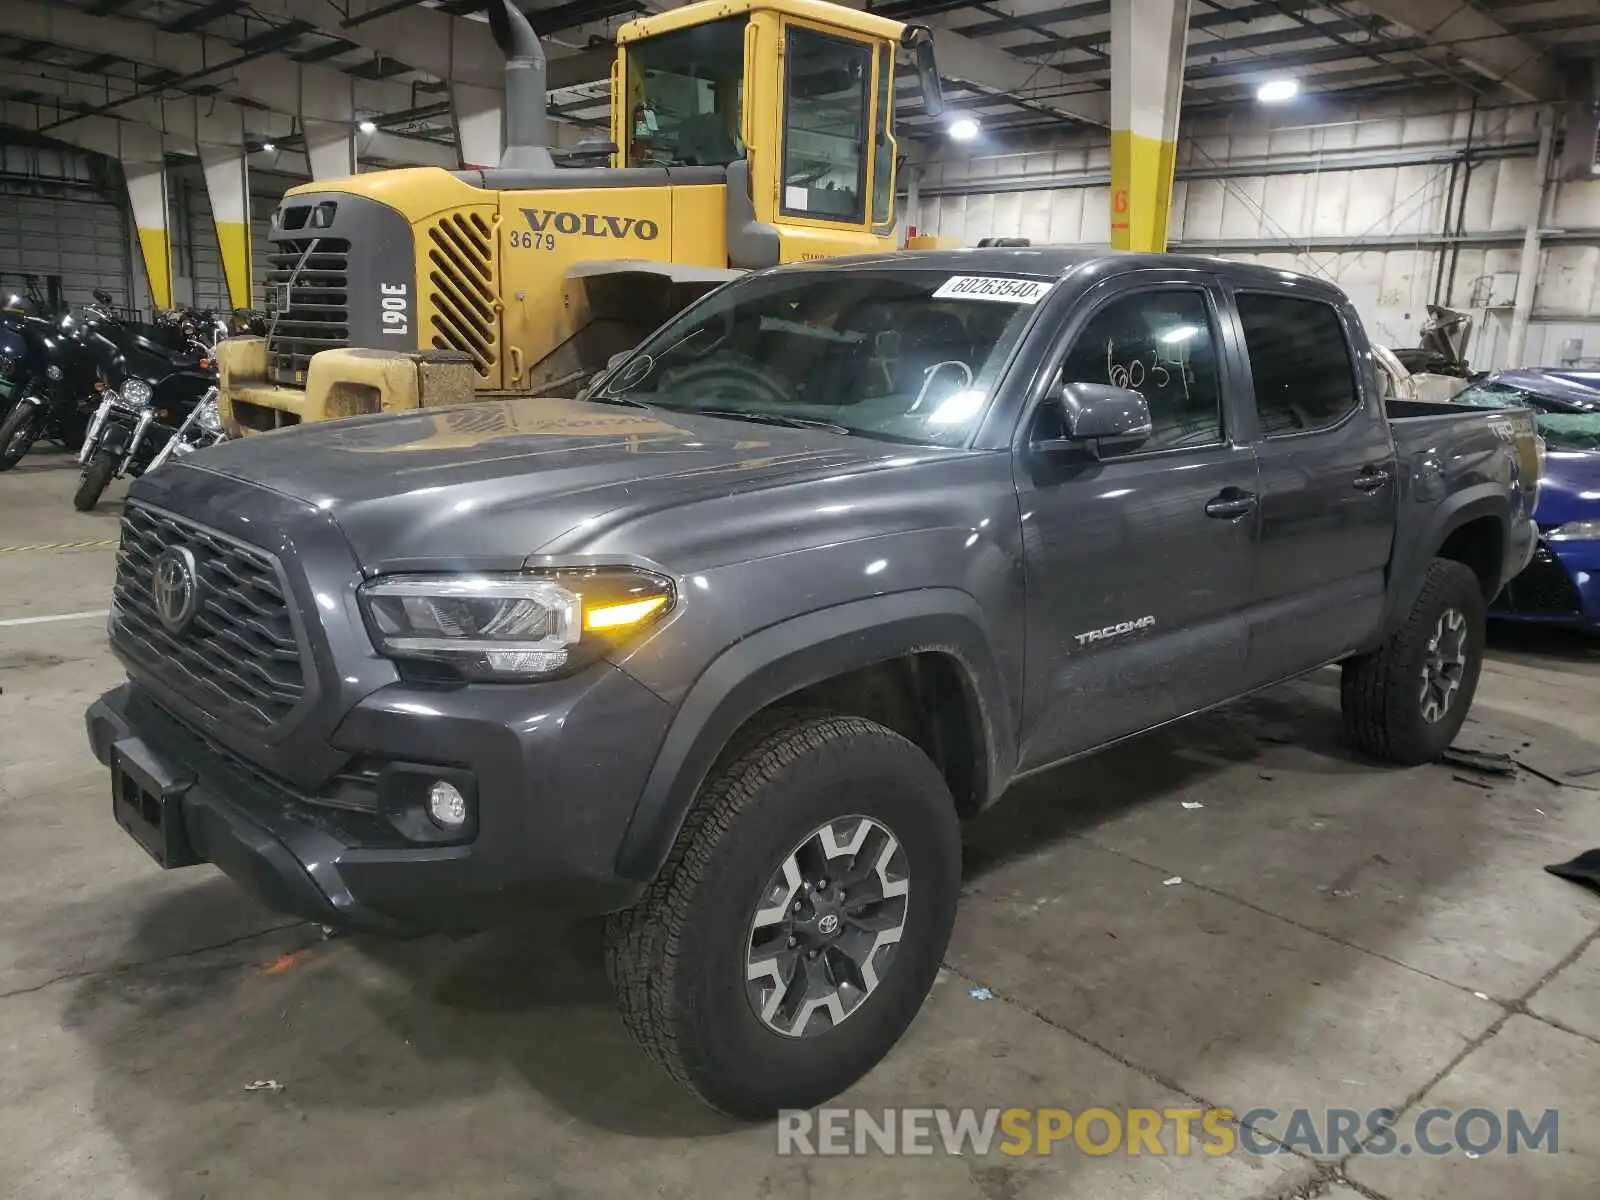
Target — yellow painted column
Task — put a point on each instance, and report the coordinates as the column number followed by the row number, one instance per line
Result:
column 147, row 196
column 1148, row 38
column 228, row 188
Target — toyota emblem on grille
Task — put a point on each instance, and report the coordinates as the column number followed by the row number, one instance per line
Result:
column 175, row 588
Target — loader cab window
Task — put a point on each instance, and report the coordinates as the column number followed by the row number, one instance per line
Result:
column 827, row 85
column 684, row 93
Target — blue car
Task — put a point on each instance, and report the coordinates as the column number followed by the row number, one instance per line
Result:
column 1561, row 586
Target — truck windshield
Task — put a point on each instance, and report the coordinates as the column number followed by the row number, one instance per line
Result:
column 907, row 356
column 1563, row 425
column 684, row 92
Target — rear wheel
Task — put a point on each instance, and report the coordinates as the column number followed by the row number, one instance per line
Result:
column 94, row 479
column 18, row 432
column 1405, row 702
column 800, row 920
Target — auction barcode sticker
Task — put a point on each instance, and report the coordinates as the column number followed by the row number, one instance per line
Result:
column 993, row 287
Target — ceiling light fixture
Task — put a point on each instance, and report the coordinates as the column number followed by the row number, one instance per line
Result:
column 368, row 127
column 1276, row 91
column 268, row 147
column 963, row 129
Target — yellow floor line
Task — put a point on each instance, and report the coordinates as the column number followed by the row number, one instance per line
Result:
column 41, row 546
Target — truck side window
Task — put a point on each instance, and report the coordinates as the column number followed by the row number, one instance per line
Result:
column 1300, row 363
column 825, row 117
column 1162, row 344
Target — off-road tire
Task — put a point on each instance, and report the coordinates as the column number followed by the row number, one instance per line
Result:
column 23, row 416
column 92, row 484
column 1380, row 692
column 677, row 959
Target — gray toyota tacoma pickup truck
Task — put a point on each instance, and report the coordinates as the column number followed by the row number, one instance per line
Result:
column 727, row 648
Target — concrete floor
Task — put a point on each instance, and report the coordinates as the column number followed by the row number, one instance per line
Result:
column 1343, row 936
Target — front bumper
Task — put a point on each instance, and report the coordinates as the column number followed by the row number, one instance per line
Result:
column 555, row 790
column 1561, row 586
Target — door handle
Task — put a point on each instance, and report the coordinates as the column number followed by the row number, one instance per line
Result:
column 1371, row 479
column 1231, row 503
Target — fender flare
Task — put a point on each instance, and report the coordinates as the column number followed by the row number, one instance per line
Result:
column 1484, row 500
column 796, row 653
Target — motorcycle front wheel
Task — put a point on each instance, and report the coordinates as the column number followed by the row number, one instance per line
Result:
column 17, row 433
column 96, row 475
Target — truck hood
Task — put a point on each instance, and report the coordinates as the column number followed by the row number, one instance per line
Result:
column 486, row 485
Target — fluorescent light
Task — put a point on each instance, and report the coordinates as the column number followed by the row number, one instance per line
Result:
column 1276, row 91
column 963, row 129
column 367, row 127
column 268, row 147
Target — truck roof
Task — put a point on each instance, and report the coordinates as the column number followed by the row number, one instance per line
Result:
column 1061, row 261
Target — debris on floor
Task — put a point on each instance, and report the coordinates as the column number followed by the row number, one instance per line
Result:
column 1584, row 869
column 1479, row 760
column 1468, row 779
column 981, row 993
column 263, row 1085
column 1173, row 882
column 1193, row 804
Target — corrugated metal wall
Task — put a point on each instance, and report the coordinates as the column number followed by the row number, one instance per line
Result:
column 56, row 218
column 1292, row 198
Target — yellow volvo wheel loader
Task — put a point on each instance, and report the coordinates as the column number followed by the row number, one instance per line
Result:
column 744, row 133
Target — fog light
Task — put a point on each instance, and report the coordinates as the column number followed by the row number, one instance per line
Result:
column 447, row 806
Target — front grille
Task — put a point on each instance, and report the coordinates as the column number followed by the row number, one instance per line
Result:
column 462, row 288
column 1544, row 589
column 308, row 285
column 239, row 657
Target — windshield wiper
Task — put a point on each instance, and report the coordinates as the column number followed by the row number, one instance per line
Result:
column 761, row 418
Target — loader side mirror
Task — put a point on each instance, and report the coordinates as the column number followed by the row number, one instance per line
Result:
column 919, row 40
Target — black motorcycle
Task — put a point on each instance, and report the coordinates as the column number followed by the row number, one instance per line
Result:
column 46, row 382
column 157, row 403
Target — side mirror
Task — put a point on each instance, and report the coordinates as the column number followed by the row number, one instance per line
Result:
column 919, row 40
column 1096, row 417
column 615, row 359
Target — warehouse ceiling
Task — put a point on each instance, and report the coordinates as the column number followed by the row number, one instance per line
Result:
column 1027, row 65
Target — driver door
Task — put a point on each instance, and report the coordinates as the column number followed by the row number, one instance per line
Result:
column 1139, row 562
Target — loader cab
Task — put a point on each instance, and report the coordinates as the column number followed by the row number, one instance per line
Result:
column 795, row 97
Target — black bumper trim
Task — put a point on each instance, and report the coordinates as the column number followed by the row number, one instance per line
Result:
column 306, row 860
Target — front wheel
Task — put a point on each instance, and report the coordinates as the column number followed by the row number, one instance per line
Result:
column 800, row 919
column 17, row 433
column 96, row 476
column 1406, row 701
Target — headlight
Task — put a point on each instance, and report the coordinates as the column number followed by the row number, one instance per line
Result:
column 1575, row 531
column 135, row 392
column 206, row 417
column 509, row 627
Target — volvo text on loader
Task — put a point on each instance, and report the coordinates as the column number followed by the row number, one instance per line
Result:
column 744, row 133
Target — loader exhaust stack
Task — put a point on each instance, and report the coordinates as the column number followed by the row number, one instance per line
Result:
column 526, row 118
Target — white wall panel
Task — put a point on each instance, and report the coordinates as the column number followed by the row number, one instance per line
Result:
column 1392, row 283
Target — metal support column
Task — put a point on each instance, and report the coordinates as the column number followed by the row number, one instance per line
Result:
column 228, row 187
column 1148, row 38
column 147, row 197
column 1528, row 268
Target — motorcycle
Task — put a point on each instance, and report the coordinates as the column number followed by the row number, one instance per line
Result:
column 48, row 382
column 162, row 406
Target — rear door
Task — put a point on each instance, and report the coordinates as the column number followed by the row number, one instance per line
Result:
column 1328, row 492
column 1139, row 564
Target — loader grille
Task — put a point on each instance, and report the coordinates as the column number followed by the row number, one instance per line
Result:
column 462, row 288
column 308, row 287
